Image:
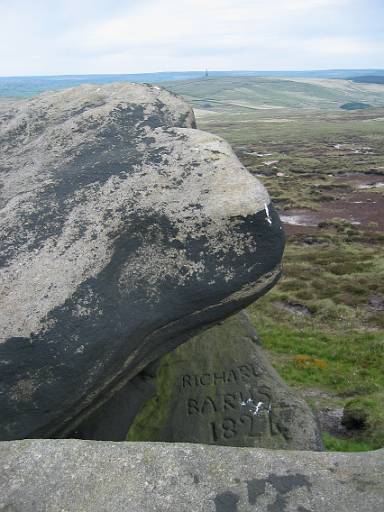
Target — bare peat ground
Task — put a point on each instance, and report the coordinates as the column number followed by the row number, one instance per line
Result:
column 357, row 206
column 362, row 209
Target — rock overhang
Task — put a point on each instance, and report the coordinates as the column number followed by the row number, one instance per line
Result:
column 124, row 229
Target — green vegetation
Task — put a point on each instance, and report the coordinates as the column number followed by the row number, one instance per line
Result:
column 365, row 416
column 155, row 412
column 335, row 444
column 323, row 324
column 323, row 331
column 346, row 362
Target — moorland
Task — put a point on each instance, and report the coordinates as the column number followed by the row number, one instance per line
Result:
column 323, row 324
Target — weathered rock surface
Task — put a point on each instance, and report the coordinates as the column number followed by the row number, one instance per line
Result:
column 89, row 476
column 112, row 420
column 123, row 230
column 219, row 388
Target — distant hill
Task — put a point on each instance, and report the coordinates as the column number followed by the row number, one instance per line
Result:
column 234, row 93
column 31, row 85
column 368, row 79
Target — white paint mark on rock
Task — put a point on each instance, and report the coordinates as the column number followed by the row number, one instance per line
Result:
column 256, row 408
column 269, row 220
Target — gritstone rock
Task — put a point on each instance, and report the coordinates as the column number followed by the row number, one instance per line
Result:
column 219, row 388
column 123, row 231
column 89, row 476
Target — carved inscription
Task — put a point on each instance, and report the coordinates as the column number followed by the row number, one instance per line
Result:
column 242, row 373
column 246, row 425
column 232, row 414
column 224, row 401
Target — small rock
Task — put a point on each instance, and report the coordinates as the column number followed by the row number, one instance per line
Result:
column 295, row 308
column 376, row 303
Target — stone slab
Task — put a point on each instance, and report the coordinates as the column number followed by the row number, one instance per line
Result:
column 89, row 476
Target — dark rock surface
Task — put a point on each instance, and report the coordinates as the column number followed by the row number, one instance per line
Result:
column 219, row 388
column 89, row 476
column 111, row 421
column 123, row 230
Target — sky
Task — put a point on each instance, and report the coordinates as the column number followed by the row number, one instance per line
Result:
column 57, row 37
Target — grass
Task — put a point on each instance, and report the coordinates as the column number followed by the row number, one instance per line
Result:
column 338, row 345
column 333, row 280
column 335, row 444
column 344, row 361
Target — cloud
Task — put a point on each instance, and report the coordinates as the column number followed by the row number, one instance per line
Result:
column 342, row 46
column 186, row 21
column 119, row 36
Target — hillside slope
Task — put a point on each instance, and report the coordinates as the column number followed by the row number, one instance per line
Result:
column 228, row 93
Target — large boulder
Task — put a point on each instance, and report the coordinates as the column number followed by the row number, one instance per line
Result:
column 89, row 476
column 219, row 388
column 123, row 231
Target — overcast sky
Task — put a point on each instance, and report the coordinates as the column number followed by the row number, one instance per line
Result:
column 43, row 37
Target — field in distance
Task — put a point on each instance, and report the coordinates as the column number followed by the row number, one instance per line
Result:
column 323, row 324
column 231, row 94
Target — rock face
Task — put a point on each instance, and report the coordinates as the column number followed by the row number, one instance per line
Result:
column 123, row 230
column 219, row 388
column 87, row 476
column 112, row 420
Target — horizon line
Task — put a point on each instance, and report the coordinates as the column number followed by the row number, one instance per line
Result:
column 321, row 70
